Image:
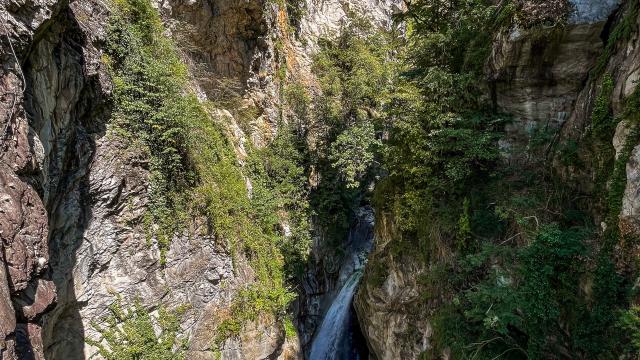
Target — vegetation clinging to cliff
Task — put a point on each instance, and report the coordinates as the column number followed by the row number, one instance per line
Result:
column 443, row 139
column 515, row 246
column 194, row 171
column 130, row 334
column 355, row 73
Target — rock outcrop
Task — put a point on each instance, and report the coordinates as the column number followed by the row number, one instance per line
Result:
column 37, row 112
column 389, row 305
column 536, row 76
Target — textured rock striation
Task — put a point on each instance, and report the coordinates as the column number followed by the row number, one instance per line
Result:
column 537, row 77
column 390, row 310
column 48, row 102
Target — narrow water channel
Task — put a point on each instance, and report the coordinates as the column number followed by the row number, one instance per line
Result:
column 339, row 336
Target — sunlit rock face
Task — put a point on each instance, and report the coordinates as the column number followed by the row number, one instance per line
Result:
column 537, row 75
column 592, row 11
column 224, row 38
column 324, row 18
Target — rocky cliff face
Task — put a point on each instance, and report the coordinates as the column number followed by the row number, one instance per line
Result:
column 536, row 77
column 388, row 303
column 51, row 110
column 547, row 79
column 72, row 198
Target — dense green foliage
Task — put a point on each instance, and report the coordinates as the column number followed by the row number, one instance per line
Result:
column 630, row 323
column 280, row 194
column 355, row 72
column 148, row 79
column 130, row 334
column 517, row 267
column 521, row 303
column 443, row 140
column 295, row 11
column 602, row 123
column 521, row 269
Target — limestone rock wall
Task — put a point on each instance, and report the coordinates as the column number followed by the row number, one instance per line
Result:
column 393, row 316
column 324, row 18
column 537, row 75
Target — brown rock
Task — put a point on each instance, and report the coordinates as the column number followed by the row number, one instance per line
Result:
column 23, row 229
column 45, row 296
column 7, row 314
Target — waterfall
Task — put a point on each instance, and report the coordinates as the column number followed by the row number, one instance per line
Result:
column 333, row 341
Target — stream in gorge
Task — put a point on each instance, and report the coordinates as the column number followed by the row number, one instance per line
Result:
column 339, row 336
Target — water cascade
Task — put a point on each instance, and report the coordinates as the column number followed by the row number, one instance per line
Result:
column 338, row 336
column 333, row 340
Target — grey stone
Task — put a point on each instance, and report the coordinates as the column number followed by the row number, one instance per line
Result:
column 592, row 11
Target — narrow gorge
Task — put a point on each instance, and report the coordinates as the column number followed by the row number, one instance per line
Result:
column 319, row 179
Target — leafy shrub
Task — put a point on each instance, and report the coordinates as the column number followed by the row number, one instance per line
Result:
column 630, row 322
column 522, row 303
column 130, row 334
column 150, row 109
column 355, row 74
column 352, row 154
column 280, row 196
column 602, row 121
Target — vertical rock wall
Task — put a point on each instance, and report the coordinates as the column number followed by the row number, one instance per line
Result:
column 45, row 90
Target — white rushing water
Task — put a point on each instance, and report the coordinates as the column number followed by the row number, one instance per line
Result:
column 335, row 338
column 330, row 343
